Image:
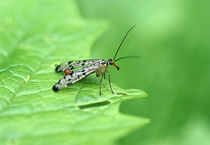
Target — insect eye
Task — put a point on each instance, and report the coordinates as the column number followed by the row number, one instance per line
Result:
column 110, row 61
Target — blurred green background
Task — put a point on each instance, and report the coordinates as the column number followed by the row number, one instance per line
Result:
column 173, row 39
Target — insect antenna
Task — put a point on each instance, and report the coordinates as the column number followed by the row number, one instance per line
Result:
column 123, row 41
column 127, row 57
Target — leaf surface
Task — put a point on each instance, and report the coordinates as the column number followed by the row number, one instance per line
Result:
column 35, row 36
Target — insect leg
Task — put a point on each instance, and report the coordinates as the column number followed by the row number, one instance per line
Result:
column 104, row 76
column 101, row 83
column 110, row 82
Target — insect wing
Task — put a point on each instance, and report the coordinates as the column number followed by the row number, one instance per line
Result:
column 75, row 76
column 69, row 65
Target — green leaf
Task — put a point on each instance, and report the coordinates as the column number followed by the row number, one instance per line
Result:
column 36, row 35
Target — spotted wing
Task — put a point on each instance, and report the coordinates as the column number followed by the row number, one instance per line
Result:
column 70, row 65
column 75, row 76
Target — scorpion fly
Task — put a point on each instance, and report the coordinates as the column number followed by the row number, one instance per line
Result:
column 86, row 67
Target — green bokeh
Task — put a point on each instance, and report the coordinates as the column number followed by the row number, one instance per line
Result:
column 172, row 38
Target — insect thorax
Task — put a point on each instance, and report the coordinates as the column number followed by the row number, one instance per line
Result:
column 100, row 71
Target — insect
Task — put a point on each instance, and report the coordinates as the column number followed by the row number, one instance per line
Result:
column 84, row 68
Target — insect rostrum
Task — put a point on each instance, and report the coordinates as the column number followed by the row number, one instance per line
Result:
column 85, row 68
